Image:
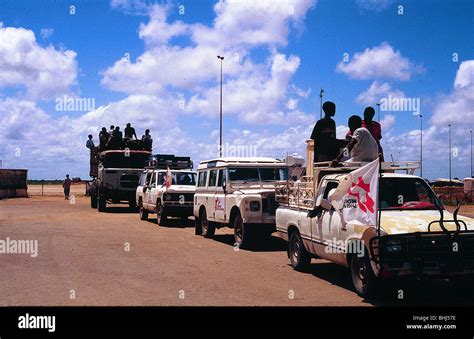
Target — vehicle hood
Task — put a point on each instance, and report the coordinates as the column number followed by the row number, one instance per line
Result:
column 253, row 190
column 180, row 189
column 400, row 222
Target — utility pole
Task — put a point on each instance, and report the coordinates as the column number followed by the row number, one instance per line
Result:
column 221, row 58
column 321, row 103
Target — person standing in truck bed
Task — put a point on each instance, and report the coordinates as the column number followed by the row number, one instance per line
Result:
column 326, row 145
column 130, row 132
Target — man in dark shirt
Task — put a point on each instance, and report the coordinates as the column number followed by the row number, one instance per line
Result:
column 130, row 132
column 326, row 145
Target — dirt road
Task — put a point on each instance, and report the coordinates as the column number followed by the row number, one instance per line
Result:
column 90, row 258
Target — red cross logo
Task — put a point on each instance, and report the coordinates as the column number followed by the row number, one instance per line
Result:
column 361, row 191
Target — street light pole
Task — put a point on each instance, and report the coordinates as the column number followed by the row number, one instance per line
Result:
column 321, row 103
column 221, row 58
column 449, row 154
column 421, row 145
column 472, row 175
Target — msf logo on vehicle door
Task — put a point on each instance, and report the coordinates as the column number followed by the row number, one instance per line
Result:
column 219, row 204
column 361, row 191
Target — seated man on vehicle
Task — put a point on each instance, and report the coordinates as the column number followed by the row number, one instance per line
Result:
column 362, row 147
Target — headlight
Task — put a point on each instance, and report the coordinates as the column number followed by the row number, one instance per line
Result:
column 255, row 206
column 167, row 197
column 393, row 246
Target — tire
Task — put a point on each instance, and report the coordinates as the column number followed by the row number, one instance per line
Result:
column 299, row 257
column 207, row 229
column 363, row 277
column 142, row 211
column 242, row 232
column 93, row 200
column 101, row 203
column 161, row 217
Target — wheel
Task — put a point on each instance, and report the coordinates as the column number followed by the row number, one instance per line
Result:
column 101, row 203
column 93, row 200
column 242, row 233
column 207, row 229
column 161, row 216
column 363, row 277
column 299, row 257
column 142, row 211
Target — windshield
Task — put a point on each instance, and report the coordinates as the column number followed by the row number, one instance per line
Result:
column 182, row 178
column 120, row 160
column 249, row 174
column 406, row 194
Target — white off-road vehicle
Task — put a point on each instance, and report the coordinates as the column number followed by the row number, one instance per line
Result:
column 239, row 193
column 175, row 199
column 415, row 235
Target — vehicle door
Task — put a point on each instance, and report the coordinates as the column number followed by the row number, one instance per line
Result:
column 325, row 229
column 153, row 191
column 146, row 189
column 211, row 190
column 202, row 195
column 220, row 196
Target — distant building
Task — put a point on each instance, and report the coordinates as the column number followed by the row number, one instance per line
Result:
column 13, row 183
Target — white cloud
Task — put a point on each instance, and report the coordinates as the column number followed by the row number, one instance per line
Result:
column 377, row 91
column 377, row 62
column 43, row 72
column 457, row 108
column 46, row 33
column 374, row 5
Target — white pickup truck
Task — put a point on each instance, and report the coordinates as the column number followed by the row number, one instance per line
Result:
column 417, row 236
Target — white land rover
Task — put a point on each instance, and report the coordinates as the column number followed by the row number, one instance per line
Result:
column 174, row 200
column 415, row 236
column 239, row 193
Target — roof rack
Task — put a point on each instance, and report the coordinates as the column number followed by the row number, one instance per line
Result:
column 164, row 161
column 388, row 166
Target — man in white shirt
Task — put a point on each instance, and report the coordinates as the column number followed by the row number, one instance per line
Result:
column 362, row 146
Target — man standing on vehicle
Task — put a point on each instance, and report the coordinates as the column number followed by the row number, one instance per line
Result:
column 373, row 126
column 67, row 187
column 130, row 132
column 362, row 147
column 324, row 135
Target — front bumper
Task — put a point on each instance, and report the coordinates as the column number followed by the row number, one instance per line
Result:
column 430, row 253
column 178, row 210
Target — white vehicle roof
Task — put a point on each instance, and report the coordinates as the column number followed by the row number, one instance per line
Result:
column 172, row 171
column 384, row 175
column 241, row 162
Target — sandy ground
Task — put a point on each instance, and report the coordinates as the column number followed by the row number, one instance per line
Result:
column 55, row 190
column 113, row 258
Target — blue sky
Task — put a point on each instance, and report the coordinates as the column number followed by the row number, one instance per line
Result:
column 285, row 56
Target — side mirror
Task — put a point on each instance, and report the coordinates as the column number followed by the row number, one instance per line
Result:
column 145, row 187
column 224, row 187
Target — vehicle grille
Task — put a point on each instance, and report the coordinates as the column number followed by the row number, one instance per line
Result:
column 269, row 205
column 432, row 250
column 175, row 197
column 129, row 181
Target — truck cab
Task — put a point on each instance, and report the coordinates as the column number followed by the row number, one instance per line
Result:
column 237, row 193
column 175, row 199
column 415, row 236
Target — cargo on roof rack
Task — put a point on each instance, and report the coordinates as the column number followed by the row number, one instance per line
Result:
column 163, row 161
